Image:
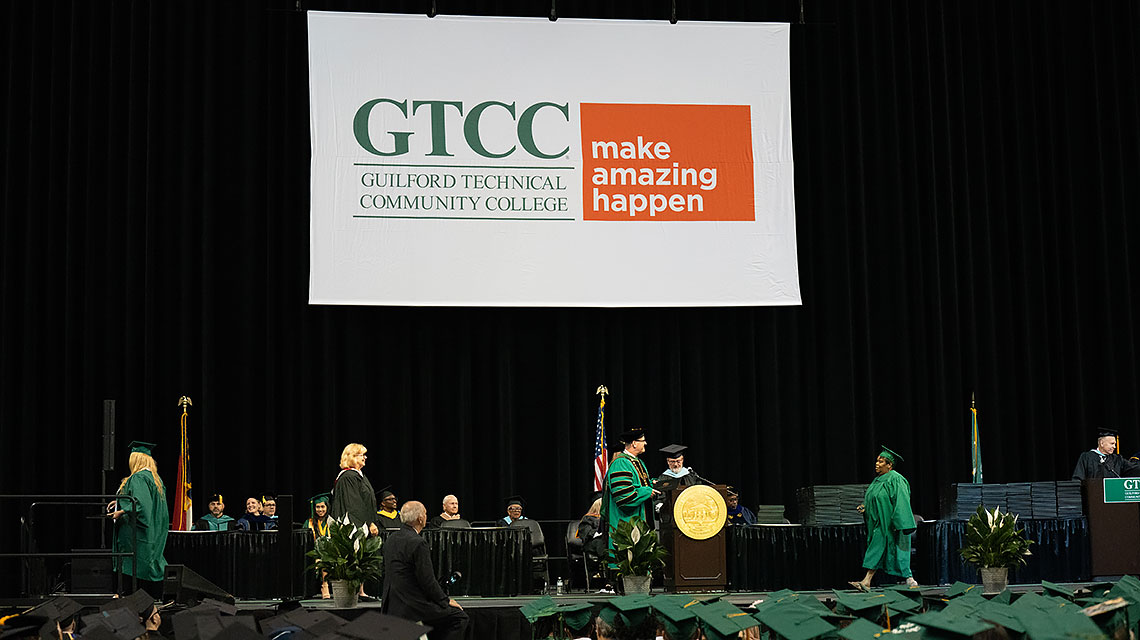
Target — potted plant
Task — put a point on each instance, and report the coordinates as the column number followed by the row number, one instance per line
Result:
column 349, row 557
column 994, row 544
column 636, row 552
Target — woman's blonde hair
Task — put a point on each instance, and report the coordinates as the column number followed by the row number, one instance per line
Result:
column 596, row 508
column 139, row 461
column 351, row 450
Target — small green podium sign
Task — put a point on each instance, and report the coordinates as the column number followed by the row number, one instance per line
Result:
column 1121, row 490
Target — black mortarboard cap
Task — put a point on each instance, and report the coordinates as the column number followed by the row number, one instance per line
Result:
column 24, row 625
column 673, row 450
column 1102, row 432
column 59, row 608
column 120, row 624
column 732, row 491
column 231, row 628
column 267, row 496
column 371, row 624
column 385, row 492
column 142, row 447
column 893, row 457
column 630, row 434
column 215, row 497
column 516, row 500
column 139, row 602
column 314, row 622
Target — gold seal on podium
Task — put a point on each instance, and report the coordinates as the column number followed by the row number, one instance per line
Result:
column 700, row 512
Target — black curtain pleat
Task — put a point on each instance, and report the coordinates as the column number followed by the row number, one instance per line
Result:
column 966, row 178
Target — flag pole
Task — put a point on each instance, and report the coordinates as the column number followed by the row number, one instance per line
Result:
column 181, row 517
column 975, row 443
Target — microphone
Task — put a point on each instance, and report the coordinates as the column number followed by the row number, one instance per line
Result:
column 455, row 576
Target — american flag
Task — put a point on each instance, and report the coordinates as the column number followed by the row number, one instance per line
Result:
column 601, row 458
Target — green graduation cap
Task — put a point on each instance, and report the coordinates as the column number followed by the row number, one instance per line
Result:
column 795, row 622
column 862, row 629
column 957, row 624
column 575, row 615
column 1058, row 623
column 142, row 447
column 1000, row 614
column 1055, row 589
column 317, row 499
column 721, row 620
column 890, row 456
column 677, row 614
column 628, row 611
column 959, row 588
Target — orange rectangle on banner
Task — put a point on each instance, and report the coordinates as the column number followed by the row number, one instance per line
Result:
column 667, row 162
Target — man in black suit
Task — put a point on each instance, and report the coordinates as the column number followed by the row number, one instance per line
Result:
column 410, row 588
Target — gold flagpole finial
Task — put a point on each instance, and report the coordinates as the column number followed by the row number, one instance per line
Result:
column 184, row 402
column 602, row 391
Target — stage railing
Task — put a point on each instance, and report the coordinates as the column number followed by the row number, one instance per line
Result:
column 29, row 539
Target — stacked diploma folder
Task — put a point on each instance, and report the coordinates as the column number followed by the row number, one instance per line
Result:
column 770, row 514
column 1030, row 500
column 829, row 504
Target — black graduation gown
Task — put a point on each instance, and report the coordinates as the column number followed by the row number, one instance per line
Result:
column 352, row 494
column 1089, row 467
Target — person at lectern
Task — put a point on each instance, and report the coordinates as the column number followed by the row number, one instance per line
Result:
column 352, row 493
column 676, row 476
column 890, row 521
column 627, row 493
column 1103, row 462
column 141, row 524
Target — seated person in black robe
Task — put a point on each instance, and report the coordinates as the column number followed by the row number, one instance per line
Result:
column 737, row 513
column 450, row 512
column 215, row 520
column 1103, row 462
column 387, row 517
column 515, row 506
column 269, row 507
column 252, row 519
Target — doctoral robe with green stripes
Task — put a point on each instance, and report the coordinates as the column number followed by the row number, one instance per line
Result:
column 627, row 494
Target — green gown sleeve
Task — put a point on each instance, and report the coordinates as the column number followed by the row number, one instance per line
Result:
column 902, row 517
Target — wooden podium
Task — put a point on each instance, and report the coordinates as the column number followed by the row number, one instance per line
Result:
column 693, row 565
column 1114, row 532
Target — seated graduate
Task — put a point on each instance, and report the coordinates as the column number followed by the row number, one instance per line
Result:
column 216, row 519
column 515, row 506
column 450, row 512
column 1103, row 462
column 318, row 521
column 388, row 517
column 253, row 519
column 738, row 513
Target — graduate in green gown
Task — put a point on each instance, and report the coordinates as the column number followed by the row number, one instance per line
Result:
column 627, row 493
column 142, row 527
column 890, row 521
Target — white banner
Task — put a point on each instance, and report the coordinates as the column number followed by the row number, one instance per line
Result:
column 524, row 162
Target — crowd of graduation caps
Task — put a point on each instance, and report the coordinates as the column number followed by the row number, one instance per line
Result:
column 138, row 617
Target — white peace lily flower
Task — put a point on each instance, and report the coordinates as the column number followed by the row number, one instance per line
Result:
column 635, row 534
column 356, row 545
column 345, row 520
column 630, row 552
column 990, row 517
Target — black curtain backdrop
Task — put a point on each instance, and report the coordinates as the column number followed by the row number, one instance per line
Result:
column 966, row 181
